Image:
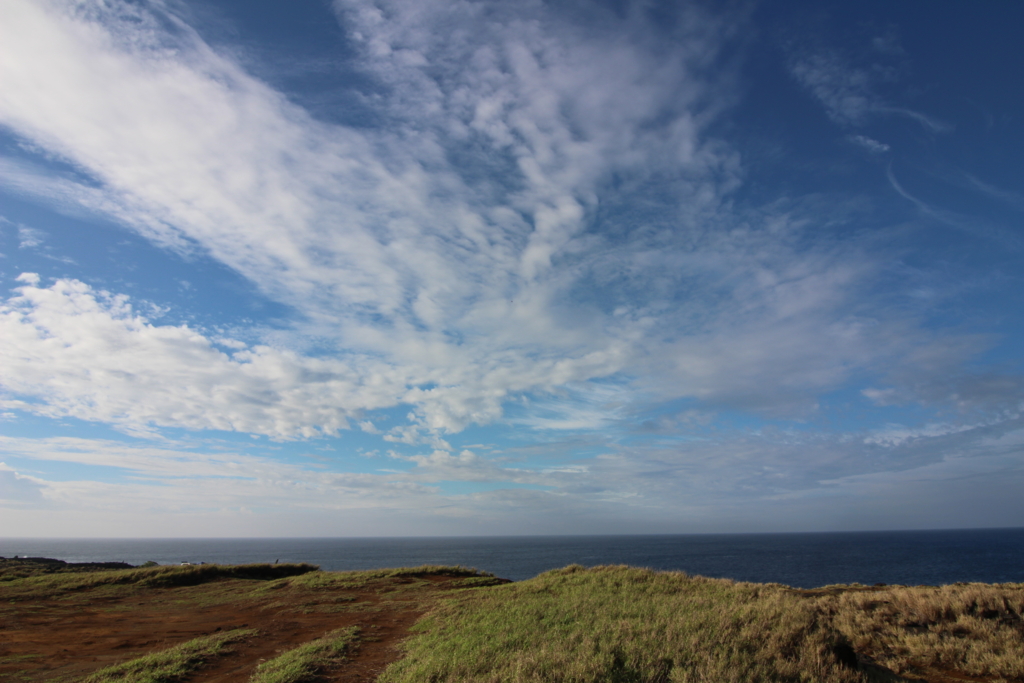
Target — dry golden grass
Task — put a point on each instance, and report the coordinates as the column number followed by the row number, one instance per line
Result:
column 975, row 629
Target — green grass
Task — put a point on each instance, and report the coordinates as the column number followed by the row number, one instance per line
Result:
column 307, row 662
column 52, row 585
column 171, row 664
column 359, row 579
column 625, row 625
column 20, row 568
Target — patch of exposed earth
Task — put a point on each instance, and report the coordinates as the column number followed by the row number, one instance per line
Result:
column 68, row 636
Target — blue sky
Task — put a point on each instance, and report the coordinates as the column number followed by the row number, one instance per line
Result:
column 362, row 268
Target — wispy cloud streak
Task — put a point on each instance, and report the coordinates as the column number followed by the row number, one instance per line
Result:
column 541, row 212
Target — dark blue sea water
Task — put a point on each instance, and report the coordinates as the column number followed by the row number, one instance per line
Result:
column 804, row 560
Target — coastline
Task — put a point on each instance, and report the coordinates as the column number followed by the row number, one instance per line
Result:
column 805, row 560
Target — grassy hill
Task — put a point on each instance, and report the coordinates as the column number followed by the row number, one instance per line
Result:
column 292, row 623
column 629, row 624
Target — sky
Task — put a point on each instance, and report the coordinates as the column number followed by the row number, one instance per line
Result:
column 471, row 267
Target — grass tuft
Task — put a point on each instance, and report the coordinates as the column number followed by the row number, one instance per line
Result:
column 307, row 662
column 171, row 664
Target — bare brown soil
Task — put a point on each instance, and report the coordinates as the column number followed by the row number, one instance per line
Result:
column 66, row 637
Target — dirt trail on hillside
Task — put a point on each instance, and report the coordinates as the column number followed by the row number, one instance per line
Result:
column 68, row 638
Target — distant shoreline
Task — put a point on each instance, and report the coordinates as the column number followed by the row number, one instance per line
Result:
column 803, row 560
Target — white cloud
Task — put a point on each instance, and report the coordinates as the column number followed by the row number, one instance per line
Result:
column 537, row 215
column 175, row 478
column 29, row 238
column 971, row 225
column 452, row 257
column 585, row 408
column 178, row 482
column 373, row 235
column 17, row 488
column 142, row 460
column 87, row 354
column 870, row 144
column 724, row 481
column 849, row 94
column 844, row 92
column 441, row 465
column 28, row 278
column 368, row 427
column 895, row 435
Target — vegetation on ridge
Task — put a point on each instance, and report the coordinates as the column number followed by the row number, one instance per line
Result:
column 171, row 664
column 624, row 624
column 619, row 624
column 51, row 584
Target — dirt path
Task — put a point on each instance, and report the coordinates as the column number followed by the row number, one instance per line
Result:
column 69, row 637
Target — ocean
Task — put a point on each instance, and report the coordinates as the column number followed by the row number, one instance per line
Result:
column 804, row 560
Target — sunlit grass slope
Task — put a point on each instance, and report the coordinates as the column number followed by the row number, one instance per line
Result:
column 622, row 624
